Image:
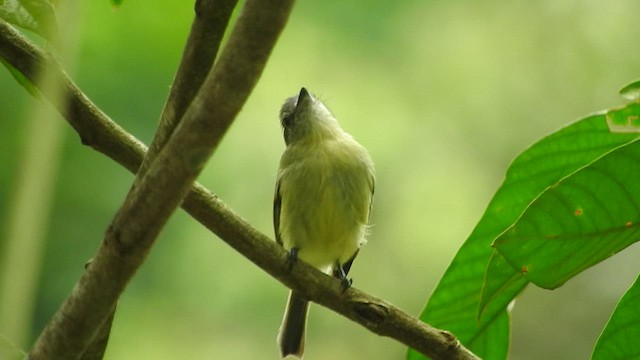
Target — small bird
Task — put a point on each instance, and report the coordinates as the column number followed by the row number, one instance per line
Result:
column 322, row 204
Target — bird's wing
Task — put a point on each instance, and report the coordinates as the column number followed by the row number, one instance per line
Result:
column 277, row 202
column 372, row 187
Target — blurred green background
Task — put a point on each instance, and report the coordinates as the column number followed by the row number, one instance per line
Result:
column 443, row 94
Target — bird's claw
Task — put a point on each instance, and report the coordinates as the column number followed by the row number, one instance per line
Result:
column 293, row 257
column 344, row 280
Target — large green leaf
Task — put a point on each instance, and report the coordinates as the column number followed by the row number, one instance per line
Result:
column 544, row 165
column 586, row 216
column 619, row 340
column 463, row 290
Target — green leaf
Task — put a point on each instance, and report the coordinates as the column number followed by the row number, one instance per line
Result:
column 625, row 119
column 493, row 343
column 619, row 340
column 41, row 10
column 13, row 12
column 502, row 284
column 539, row 168
column 21, row 79
column 463, row 290
column 631, row 91
column 35, row 15
column 587, row 216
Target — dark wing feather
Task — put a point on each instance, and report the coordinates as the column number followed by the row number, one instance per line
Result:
column 277, row 201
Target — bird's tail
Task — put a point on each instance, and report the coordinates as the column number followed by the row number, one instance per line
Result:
column 291, row 336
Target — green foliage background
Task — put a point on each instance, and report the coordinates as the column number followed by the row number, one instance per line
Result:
column 443, row 94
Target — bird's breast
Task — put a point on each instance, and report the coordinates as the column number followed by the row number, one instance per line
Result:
column 325, row 203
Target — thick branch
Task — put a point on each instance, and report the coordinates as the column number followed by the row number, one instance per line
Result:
column 372, row 313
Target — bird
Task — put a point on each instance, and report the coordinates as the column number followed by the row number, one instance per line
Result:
column 322, row 203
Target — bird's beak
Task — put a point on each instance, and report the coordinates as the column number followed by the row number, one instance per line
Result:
column 303, row 96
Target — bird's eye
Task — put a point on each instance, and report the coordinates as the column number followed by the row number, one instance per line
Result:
column 287, row 121
column 287, row 135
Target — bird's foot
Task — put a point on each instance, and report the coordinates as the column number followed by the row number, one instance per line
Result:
column 342, row 275
column 293, row 257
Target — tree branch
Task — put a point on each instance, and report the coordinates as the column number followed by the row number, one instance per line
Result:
column 211, row 20
column 98, row 131
column 149, row 205
column 207, row 30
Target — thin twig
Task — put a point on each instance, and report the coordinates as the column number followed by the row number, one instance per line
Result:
column 372, row 313
column 201, row 49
